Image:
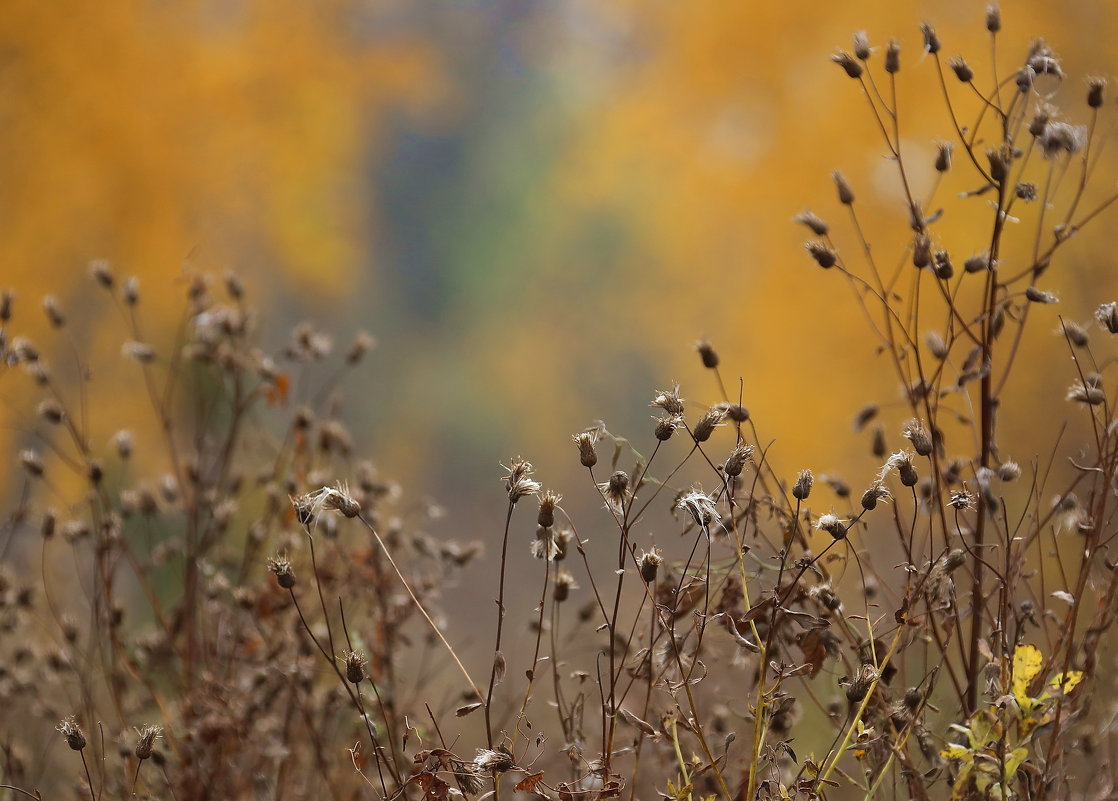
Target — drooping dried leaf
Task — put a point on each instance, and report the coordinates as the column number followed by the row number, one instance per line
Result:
column 528, row 784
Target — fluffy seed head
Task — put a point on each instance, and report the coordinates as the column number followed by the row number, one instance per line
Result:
column 70, row 730
column 707, row 423
column 564, row 583
column 701, row 508
column 845, row 193
column 823, row 254
column 993, row 18
column 931, row 39
column 145, row 743
column 893, row 57
column 861, row 46
column 650, row 562
column 669, row 401
column 1107, row 315
column 497, row 761
column 585, row 442
column 1096, row 85
column 354, row 666
column 519, row 482
column 101, row 273
column 917, row 433
column 943, row 156
column 616, row 490
column 285, row 576
column 848, row 63
column 813, row 222
column 832, row 525
column 802, row 488
column 961, row 69
column 548, row 501
column 737, row 459
column 876, row 492
column 707, row 353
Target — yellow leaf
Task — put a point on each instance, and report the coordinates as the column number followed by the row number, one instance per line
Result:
column 956, row 752
column 1026, row 664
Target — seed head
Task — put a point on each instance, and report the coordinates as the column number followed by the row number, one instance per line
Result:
column 140, row 351
column 616, row 490
column 1107, row 315
column 130, row 292
column 1043, row 61
column 824, row 256
column 1040, row 296
column 69, row 729
column 707, row 353
column 1009, row 471
column 1095, row 87
column 701, row 508
column 876, row 492
column 362, row 344
column 1088, row 391
column 857, row 687
column 734, row 411
column 917, row 433
column 935, row 344
column 666, row 426
column 942, row 266
column 865, row 415
column 669, row 400
column 497, row 761
column 962, row 71
column 548, row 501
column 32, row 462
column 585, row 442
column 802, row 488
column 961, row 500
column 650, row 562
column 999, row 161
column 564, row 583
column 122, row 441
column 943, row 156
column 861, row 46
column 737, row 459
column 893, row 57
column 848, row 63
column 101, row 273
column 901, row 461
column 51, row 411
column 145, row 744
column 1025, row 77
column 285, row 576
column 832, row 525
column 6, row 301
column 931, row 39
column 921, row 250
column 1061, row 137
column 53, row 311
column 354, row 666
column 813, row 222
column 1026, row 191
column 845, row 193
column 519, row 481
column 1074, row 332
column 707, row 423
column 993, row 18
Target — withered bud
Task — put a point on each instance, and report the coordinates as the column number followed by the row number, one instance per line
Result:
column 650, row 562
column 1026, row 191
column 845, row 193
column 943, row 156
column 861, row 46
column 737, row 459
column 832, row 525
column 893, row 57
column 734, row 411
column 1107, row 315
column 860, row 685
column 917, row 433
column 921, row 250
column 1074, row 332
column 865, row 415
column 1009, row 471
column 101, row 273
column 1095, row 87
column 877, row 492
column 354, row 667
column 548, row 501
column 1040, row 296
column 962, row 71
column 51, row 411
column 615, row 490
column 999, row 164
column 707, row 423
column 826, row 597
column 1025, row 77
column 669, row 401
column 585, row 442
column 95, row 472
column 69, row 729
column 931, row 40
column 878, row 446
column 519, row 482
column 802, row 488
column 824, row 256
column 53, row 310
column 130, row 292
column 666, row 426
column 700, row 506
column 901, row 461
column 813, row 222
column 362, row 344
column 848, row 63
column 1088, row 391
column 993, row 18
column 32, row 462
column 978, row 263
column 942, row 265
column 285, row 576
column 707, row 353
column 122, row 441
column 145, row 744
column 956, row 558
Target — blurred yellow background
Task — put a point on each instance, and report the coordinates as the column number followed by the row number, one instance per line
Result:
column 535, row 207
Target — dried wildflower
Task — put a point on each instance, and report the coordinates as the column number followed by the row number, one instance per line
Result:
column 825, row 595
column 861, row 46
column 901, row 461
column 845, row 193
column 669, row 401
column 101, row 273
column 140, row 351
column 857, row 687
column 961, row 500
column 649, row 562
column 1024, row 79
column 122, row 441
column 978, row 263
column 1074, row 333
column 707, row 353
column 737, row 459
column 1096, row 85
column 961, row 69
column 832, row 525
column 893, row 57
column 876, row 492
column 813, row 222
column 548, row 501
column 1026, row 191
column 921, row 250
column 6, row 301
column 936, row 345
column 666, row 426
column 467, row 777
column 1042, row 61
column 53, row 310
column 917, row 433
column 1089, row 391
column 734, row 411
column 354, row 666
column 362, row 344
column 616, row 490
column 545, row 544
column 51, row 411
column 1040, row 296
column 24, row 350
column 519, row 482
column 564, row 583
column 585, row 442
column 865, row 415
column 31, row 461
column 941, row 265
column 325, row 499
column 943, row 156
column 823, row 254
column 848, row 63
column 710, row 420
column 802, row 488
column 999, row 160
column 993, row 18
column 497, row 761
column 1009, row 471
column 701, row 508
column 285, row 576
column 931, row 40
column 130, row 292
column 69, row 729
column 145, row 744
column 1107, row 315
column 1061, row 137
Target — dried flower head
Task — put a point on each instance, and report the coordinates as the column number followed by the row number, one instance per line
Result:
column 548, row 501
column 893, row 57
column 325, row 499
column 848, row 63
column 102, row 273
column 813, row 222
column 876, row 492
column 649, row 562
column 901, row 461
column 69, row 729
column 917, row 433
column 707, row 353
column 710, row 420
column 1088, row 391
column 845, row 193
column 736, row 461
column 700, row 506
column 931, row 40
column 564, row 583
column 802, row 488
column 1009, row 471
column 943, row 156
column 1096, row 85
column 666, row 426
column 993, row 18
column 519, row 482
column 669, row 401
column 961, row 69
column 823, row 254
column 53, row 310
column 145, row 743
column 285, row 576
column 362, row 344
column 616, row 490
column 734, row 411
column 497, row 761
column 1074, row 333
column 861, row 46
column 859, row 686
column 140, row 351
column 833, row 525
column 354, row 666
column 31, row 461
column 961, row 500
column 130, row 292
column 1107, row 315
column 1061, row 137
column 585, row 442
